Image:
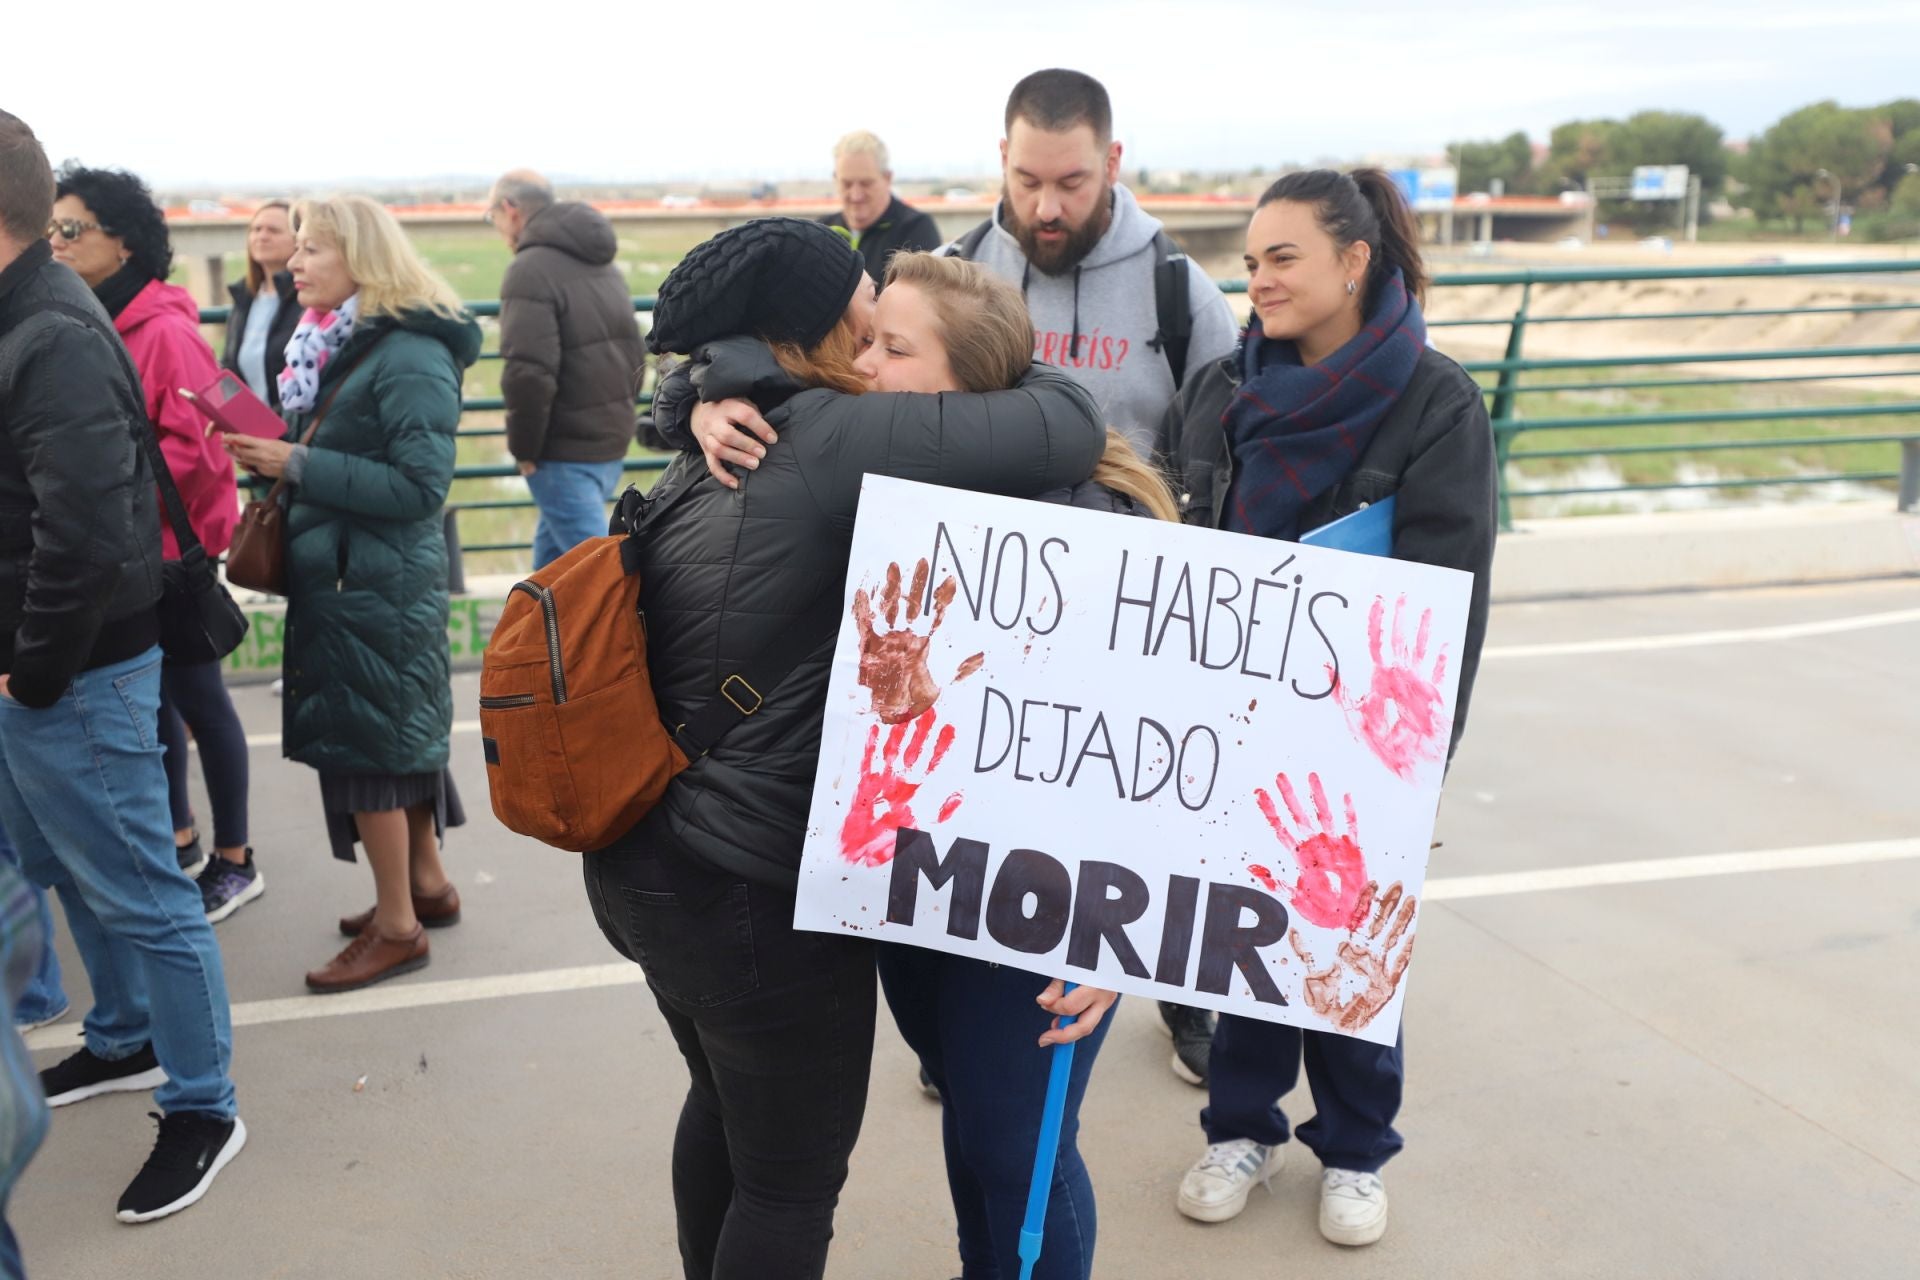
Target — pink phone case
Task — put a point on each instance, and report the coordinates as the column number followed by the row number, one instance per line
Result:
column 234, row 408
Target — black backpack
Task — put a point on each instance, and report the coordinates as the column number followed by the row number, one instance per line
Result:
column 1171, row 309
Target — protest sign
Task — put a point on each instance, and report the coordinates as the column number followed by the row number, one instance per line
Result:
column 1176, row 762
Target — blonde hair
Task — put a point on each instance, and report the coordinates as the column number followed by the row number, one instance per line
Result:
column 862, row 143
column 829, row 363
column 390, row 275
column 257, row 274
column 983, row 324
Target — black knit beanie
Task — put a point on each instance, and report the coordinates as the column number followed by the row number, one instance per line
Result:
column 781, row 279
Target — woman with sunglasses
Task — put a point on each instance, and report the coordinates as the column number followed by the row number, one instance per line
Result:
column 108, row 229
column 265, row 311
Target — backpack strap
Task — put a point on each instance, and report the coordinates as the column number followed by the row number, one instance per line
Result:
column 742, row 693
column 968, row 245
column 1172, row 305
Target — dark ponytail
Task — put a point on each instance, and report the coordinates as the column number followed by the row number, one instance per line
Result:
column 1361, row 207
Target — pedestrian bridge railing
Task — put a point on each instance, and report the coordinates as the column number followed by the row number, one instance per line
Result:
column 1803, row 415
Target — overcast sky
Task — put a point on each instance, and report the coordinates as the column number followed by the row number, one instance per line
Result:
column 264, row 93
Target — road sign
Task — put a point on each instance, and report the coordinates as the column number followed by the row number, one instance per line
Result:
column 1660, row 182
column 1436, row 189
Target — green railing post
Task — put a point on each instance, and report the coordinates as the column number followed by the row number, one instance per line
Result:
column 1503, row 398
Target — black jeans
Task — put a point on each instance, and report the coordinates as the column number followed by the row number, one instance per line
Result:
column 777, row 1030
column 197, row 695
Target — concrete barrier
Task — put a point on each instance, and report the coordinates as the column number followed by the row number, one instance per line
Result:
column 1704, row 550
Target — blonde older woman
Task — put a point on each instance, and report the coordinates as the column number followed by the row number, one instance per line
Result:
column 377, row 360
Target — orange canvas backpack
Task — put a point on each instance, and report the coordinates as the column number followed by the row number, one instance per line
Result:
column 576, row 751
column 575, row 746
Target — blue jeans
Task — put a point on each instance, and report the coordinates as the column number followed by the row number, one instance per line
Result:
column 44, row 996
column 84, row 796
column 572, row 497
column 976, row 1027
column 1356, row 1091
column 23, row 1109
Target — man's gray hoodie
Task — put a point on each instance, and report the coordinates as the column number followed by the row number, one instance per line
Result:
column 1108, row 303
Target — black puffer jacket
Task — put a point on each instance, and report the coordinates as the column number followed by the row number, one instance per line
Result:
column 1434, row 450
column 728, row 572
column 79, row 541
column 285, row 320
column 569, row 339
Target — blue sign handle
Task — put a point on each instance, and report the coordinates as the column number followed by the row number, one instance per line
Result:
column 1045, row 1150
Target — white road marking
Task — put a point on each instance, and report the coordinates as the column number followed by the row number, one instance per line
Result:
column 1649, row 870
column 385, row 999
column 1698, row 639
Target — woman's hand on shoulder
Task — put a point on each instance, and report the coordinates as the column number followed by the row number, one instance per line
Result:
column 1085, row 1005
column 731, row 432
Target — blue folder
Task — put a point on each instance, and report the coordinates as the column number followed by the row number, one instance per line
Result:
column 1367, row 532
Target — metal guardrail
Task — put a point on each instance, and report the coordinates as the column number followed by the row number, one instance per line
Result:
column 1507, row 386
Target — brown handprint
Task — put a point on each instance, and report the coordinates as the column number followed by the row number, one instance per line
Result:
column 1332, row 869
column 1400, row 718
column 881, row 799
column 1381, row 971
column 893, row 663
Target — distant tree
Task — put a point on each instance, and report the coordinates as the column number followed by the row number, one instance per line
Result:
column 1853, row 146
column 1576, row 151
column 1671, row 137
column 1906, row 196
column 1510, row 159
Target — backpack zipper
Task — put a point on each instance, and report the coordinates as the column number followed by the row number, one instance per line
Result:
column 548, row 611
column 506, row 702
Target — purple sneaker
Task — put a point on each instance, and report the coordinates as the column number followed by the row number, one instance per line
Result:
column 225, row 887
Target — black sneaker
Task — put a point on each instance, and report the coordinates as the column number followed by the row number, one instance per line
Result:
column 83, row 1076
column 1192, row 1032
column 193, row 1147
column 193, row 859
column 225, row 887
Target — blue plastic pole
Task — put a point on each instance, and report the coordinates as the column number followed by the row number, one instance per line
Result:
column 1032, row 1231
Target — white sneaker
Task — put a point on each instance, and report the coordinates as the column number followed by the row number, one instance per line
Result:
column 1353, row 1206
column 1216, row 1188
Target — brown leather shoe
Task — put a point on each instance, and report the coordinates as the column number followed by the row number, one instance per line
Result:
column 436, row 912
column 368, row 959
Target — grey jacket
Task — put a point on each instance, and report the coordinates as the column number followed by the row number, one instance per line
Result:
column 1434, row 450
column 570, row 341
column 728, row 572
column 1098, row 321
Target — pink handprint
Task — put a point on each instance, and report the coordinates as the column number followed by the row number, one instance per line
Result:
column 1400, row 718
column 882, row 799
column 1332, row 868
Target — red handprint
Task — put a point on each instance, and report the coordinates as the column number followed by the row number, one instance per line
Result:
column 1400, row 719
column 1381, row 973
column 893, row 663
column 881, row 800
column 1332, row 869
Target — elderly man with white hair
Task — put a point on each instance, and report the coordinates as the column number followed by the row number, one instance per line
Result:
column 876, row 222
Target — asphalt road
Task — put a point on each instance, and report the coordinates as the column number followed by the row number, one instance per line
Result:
column 1704, row 1076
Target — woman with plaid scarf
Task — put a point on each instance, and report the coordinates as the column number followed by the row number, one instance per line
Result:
column 1333, row 401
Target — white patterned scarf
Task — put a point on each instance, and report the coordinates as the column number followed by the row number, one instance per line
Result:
column 315, row 342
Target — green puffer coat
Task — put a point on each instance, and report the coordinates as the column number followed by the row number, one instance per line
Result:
column 366, row 649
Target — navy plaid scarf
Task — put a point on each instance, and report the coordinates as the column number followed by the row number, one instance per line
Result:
column 1297, row 430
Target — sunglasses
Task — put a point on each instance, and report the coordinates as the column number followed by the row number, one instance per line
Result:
column 70, row 228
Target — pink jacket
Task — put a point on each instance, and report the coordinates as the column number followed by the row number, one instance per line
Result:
column 161, row 328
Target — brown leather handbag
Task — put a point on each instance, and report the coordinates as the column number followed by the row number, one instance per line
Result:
column 257, row 556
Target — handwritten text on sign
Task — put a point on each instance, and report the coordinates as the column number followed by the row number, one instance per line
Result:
column 1169, row 761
